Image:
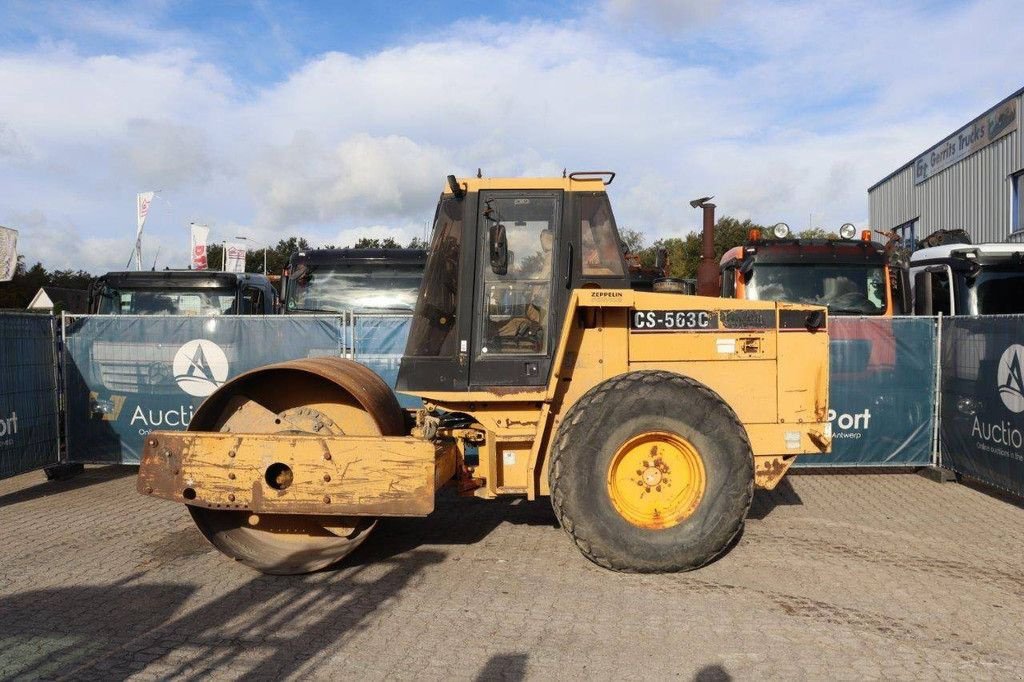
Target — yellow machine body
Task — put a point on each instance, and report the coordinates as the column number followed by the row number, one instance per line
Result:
column 287, row 467
column 775, row 379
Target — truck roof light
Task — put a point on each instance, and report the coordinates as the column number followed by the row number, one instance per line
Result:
column 865, row 235
column 848, row 230
column 754, row 235
column 780, row 230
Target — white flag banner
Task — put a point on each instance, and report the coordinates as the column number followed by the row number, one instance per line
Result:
column 142, row 202
column 234, row 257
column 200, row 233
column 8, row 253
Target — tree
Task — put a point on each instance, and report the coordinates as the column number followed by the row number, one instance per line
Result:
column 417, row 243
column 633, row 240
column 817, row 233
column 684, row 253
column 376, row 243
column 18, row 293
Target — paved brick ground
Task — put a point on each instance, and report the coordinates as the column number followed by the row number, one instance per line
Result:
column 838, row 576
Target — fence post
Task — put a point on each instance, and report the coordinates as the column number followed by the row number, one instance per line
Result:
column 58, row 385
column 937, row 399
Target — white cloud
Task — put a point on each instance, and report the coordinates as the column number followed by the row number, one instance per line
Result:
column 60, row 245
column 663, row 15
column 310, row 180
column 784, row 111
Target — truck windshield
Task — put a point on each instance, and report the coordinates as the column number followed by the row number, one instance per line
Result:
column 845, row 289
column 338, row 288
column 167, row 302
column 999, row 291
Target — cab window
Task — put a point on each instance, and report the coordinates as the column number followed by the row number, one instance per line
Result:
column 940, row 293
column 433, row 330
column 602, row 255
column 729, row 282
column 252, row 301
column 517, row 303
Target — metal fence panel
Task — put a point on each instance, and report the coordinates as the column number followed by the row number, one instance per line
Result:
column 982, row 399
column 881, row 397
column 379, row 342
column 128, row 375
column 29, row 408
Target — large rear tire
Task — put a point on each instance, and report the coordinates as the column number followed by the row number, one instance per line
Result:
column 329, row 396
column 651, row 472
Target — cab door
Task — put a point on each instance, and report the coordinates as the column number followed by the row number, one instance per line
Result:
column 517, row 305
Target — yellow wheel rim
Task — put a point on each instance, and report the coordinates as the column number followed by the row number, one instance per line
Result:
column 656, row 480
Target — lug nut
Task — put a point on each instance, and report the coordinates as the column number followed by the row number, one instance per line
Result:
column 152, row 442
column 327, row 456
column 231, row 477
column 327, row 499
column 149, row 490
column 231, row 498
column 327, row 478
column 231, row 453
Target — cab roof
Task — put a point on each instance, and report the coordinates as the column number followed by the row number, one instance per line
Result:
column 177, row 278
column 807, row 250
column 350, row 256
column 567, row 184
column 983, row 252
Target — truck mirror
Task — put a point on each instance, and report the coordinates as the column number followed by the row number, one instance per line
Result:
column 923, row 293
column 815, row 320
column 902, row 299
column 499, row 249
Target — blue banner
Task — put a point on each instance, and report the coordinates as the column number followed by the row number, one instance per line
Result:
column 881, row 392
column 982, row 408
column 379, row 342
column 129, row 375
column 29, row 419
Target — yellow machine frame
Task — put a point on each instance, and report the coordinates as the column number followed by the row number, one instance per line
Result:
column 774, row 376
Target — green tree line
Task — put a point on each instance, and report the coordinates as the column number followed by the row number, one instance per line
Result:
column 684, row 252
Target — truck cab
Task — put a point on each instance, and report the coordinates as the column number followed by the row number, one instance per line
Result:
column 182, row 292
column 968, row 279
column 852, row 277
column 353, row 280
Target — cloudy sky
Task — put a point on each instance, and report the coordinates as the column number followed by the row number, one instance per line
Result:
column 339, row 119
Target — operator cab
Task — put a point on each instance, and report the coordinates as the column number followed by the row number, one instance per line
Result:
column 353, row 280
column 182, row 292
column 504, row 257
column 966, row 279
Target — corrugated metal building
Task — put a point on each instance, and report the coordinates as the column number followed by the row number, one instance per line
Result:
column 972, row 180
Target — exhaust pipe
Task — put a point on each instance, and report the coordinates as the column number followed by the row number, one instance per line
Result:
column 707, row 270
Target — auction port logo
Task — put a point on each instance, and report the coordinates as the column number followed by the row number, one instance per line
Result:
column 1011, row 381
column 200, row 367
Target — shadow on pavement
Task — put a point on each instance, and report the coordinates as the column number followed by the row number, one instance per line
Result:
column 455, row 521
column 765, row 501
column 268, row 627
column 712, row 673
column 505, row 667
column 91, row 476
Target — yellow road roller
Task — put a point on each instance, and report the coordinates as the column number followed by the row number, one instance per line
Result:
column 648, row 418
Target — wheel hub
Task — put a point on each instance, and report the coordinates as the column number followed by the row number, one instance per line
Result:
column 656, row 480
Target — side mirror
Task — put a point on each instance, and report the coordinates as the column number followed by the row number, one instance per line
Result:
column 815, row 320
column 901, row 297
column 923, row 293
column 499, row 249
